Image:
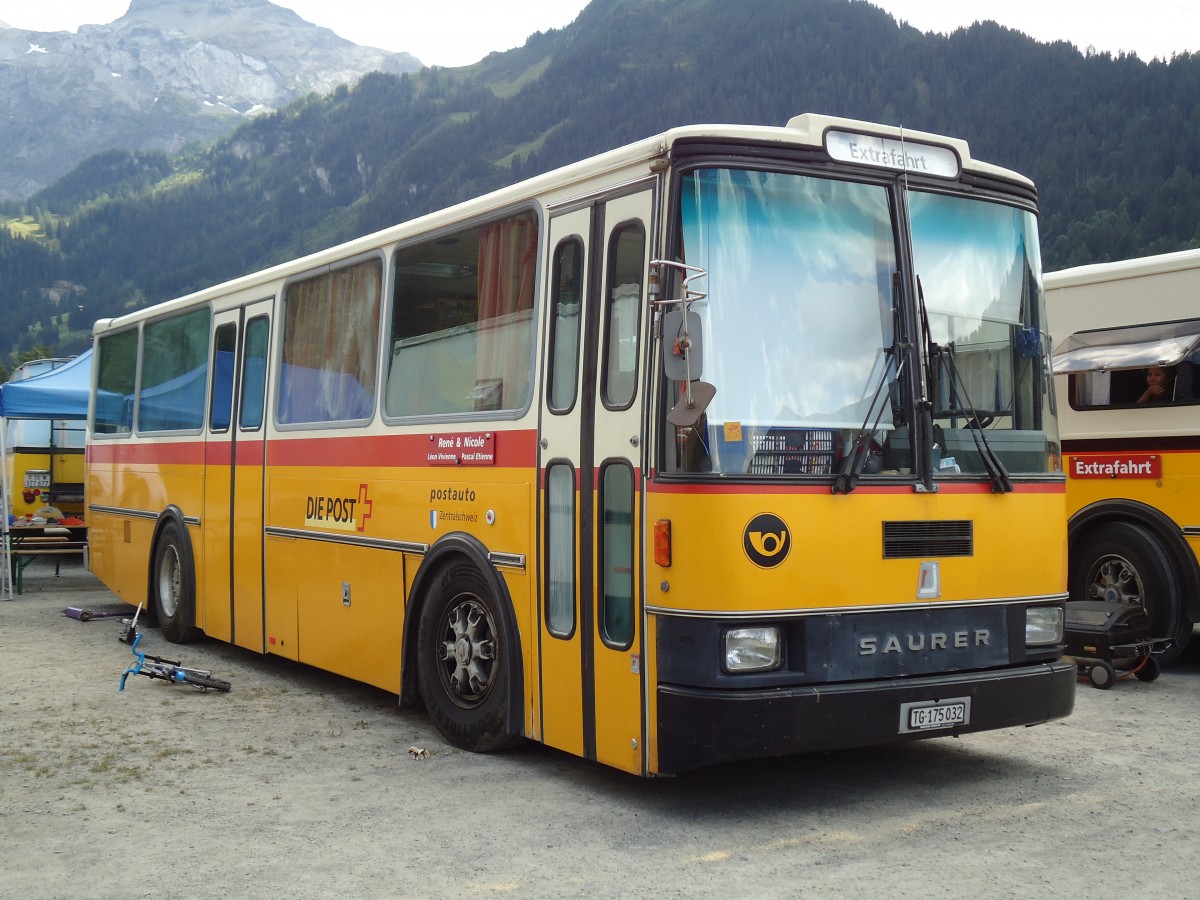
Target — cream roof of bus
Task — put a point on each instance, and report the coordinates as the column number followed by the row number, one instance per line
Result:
column 564, row 184
column 809, row 130
column 1125, row 268
column 1125, row 314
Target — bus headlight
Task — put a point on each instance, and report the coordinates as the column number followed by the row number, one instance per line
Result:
column 1043, row 625
column 752, row 649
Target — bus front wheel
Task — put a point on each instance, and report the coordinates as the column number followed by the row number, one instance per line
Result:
column 174, row 587
column 463, row 651
column 1120, row 562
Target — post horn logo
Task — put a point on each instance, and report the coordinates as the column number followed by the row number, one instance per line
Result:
column 766, row 540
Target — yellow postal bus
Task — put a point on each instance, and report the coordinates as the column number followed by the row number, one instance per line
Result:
column 733, row 442
column 1127, row 351
column 44, row 457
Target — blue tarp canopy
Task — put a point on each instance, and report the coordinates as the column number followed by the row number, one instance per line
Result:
column 59, row 394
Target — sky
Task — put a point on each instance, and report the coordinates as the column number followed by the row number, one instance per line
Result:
column 461, row 32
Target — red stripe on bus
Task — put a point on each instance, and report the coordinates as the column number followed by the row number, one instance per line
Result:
column 513, row 449
column 217, row 453
column 180, row 453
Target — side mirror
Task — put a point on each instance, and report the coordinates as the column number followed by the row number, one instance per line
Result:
column 692, row 404
column 683, row 343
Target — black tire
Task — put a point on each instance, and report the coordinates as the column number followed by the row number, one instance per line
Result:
column 1148, row 670
column 173, row 586
column 464, row 651
column 1102, row 675
column 206, row 681
column 1120, row 562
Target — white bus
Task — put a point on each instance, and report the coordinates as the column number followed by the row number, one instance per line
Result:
column 1127, row 361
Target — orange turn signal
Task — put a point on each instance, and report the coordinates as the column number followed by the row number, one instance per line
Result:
column 662, row 543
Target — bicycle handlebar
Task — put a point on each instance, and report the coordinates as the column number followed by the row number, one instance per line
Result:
column 159, row 667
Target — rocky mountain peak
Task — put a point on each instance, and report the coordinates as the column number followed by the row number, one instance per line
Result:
column 165, row 73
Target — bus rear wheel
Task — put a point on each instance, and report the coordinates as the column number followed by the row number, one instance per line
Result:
column 174, row 587
column 463, row 651
column 1121, row 562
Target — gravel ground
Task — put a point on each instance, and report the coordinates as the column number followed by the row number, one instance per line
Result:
column 298, row 784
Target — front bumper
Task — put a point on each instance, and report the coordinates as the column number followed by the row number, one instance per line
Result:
column 699, row 727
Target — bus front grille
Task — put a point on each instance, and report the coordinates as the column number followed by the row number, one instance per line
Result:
column 912, row 540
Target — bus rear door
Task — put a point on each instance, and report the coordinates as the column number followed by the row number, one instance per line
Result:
column 234, row 457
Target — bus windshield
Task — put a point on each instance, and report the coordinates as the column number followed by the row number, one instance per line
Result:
column 801, row 315
column 798, row 323
column 980, row 278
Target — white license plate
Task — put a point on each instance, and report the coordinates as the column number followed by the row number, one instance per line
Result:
column 926, row 715
column 37, row 479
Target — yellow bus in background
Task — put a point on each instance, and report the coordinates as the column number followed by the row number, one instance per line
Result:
column 1126, row 358
column 44, row 457
column 733, row 442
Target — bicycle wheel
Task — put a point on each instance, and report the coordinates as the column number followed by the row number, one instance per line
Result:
column 206, row 681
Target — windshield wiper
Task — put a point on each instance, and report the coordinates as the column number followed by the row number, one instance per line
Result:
column 1001, row 483
column 853, row 462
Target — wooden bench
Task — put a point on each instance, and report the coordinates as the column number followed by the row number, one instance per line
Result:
column 27, row 548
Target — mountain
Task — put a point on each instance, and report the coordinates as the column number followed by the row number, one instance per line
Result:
column 166, row 73
column 1112, row 142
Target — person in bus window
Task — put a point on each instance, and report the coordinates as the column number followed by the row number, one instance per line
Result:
column 1159, row 383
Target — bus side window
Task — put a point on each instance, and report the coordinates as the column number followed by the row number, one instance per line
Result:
column 221, row 407
column 565, row 324
column 174, row 380
column 330, row 344
column 462, row 321
column 626, row 252
column 254, row 373
column 116, row 374
column 560, row 549
column 617, row 582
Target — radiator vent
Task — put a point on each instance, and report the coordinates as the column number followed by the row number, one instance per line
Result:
column 912, row 540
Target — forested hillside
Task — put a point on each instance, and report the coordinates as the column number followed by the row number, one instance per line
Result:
column 1112, row 142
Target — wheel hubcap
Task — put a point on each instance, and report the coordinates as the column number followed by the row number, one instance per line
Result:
column 468, row 651
column 1114, row 580
column 169, row 582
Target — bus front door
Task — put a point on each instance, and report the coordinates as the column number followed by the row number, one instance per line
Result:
column 591, row 686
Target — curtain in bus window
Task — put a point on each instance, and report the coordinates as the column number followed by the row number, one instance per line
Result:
column 507, row 266
column 1092, row 388
column 330, row 334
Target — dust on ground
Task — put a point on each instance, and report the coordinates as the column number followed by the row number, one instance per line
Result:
column 299, row 784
